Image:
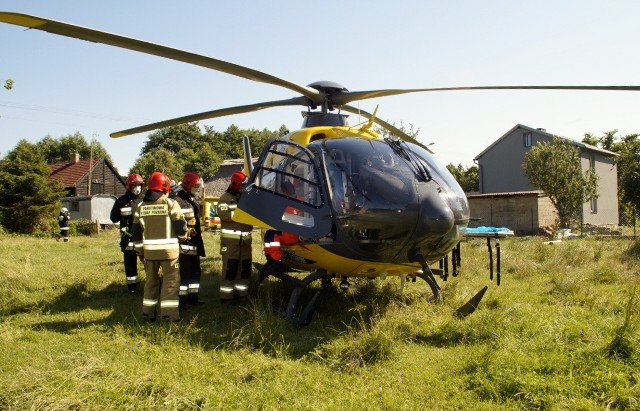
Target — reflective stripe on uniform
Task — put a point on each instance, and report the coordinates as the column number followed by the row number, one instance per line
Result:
column 194, row 288
column 129, row 246
column 169, row 304
column 226, row 290
column 149, row 303
column 160, row 241
column 242, row 287
column 184, row 290
column 188, row 249
column 132, row 280
column 226, row 233
column 188, row 212
column 64, row 228
column 125, row 211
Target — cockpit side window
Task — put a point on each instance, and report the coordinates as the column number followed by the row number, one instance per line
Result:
column 290, row 172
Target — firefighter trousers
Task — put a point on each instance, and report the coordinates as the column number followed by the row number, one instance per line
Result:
column 131, row 269
column 190, row 273
column 161, row 291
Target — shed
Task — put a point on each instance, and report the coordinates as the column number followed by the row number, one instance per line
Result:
column 94, row 208
column 524, row 212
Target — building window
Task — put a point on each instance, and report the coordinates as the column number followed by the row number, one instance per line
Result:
column 527, row 138
column 97, row 187
column 594, row 206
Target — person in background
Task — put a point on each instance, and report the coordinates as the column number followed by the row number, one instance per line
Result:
column 63, row 223
column 235, row 243
column 192, row 248
column 158, row 223
column 122, row 214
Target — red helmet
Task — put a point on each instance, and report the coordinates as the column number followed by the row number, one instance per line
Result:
column 133, row 179
column 190, row 180
column 159, row 182
column 237, row 180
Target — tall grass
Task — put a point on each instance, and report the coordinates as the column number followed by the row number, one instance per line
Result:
column 560, row 332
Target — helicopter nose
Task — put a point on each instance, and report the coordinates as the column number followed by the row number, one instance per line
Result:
column 435, row 214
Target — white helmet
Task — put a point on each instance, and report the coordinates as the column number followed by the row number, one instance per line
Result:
column 64, row 210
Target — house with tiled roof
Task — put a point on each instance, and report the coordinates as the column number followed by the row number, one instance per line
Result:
column 92, row 187
column 87, row 177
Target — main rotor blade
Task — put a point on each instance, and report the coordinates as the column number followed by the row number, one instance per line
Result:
column 96, row 36
column 296, row 101
column 349, row 96
column 393, row 129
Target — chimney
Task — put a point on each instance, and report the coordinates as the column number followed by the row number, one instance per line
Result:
column 75, row 158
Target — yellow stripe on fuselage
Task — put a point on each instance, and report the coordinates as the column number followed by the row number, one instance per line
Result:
column 342, row 266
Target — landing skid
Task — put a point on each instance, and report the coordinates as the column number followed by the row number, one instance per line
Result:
column 468, row 308
column 296, row 314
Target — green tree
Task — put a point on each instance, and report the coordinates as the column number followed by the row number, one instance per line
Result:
column 204, row 161
column 555, row 168
column 63, row 148
column 229, row 144
column 174, row 138
column 629, row 169
column 468, row 178
column 160, row 159
column 28, row 201
column 8, row 84
column 178, row 149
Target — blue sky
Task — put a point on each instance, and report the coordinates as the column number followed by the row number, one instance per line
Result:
column 65, row 85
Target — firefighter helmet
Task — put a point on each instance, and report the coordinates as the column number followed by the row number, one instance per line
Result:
column 238, row 179
column 134, row 178
column 190, row 180
column 64, row 210
column 159, row 182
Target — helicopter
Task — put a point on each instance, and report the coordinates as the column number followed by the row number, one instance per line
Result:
column 362, row 204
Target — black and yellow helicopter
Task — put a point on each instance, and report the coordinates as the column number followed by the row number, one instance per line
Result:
column 362, row 205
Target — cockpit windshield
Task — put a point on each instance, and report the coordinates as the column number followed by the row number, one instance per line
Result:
column 366, row 174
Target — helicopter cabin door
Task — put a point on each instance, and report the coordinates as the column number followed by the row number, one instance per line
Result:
column 286, row 191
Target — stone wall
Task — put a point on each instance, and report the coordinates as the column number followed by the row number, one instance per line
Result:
column 523, row 212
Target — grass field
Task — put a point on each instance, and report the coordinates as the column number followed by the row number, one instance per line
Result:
column 560, row 333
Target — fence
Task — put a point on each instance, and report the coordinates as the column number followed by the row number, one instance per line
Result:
column 628, row 226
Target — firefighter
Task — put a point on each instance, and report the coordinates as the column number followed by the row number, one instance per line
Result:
column 235, row 243
column 122, row 214
column 158, row 224
column 63, row 223
column 192, row 248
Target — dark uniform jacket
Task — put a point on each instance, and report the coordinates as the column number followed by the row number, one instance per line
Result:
column 191, row 213
column 122, row 212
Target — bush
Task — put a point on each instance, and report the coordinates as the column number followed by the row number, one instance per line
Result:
column 81, row 226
